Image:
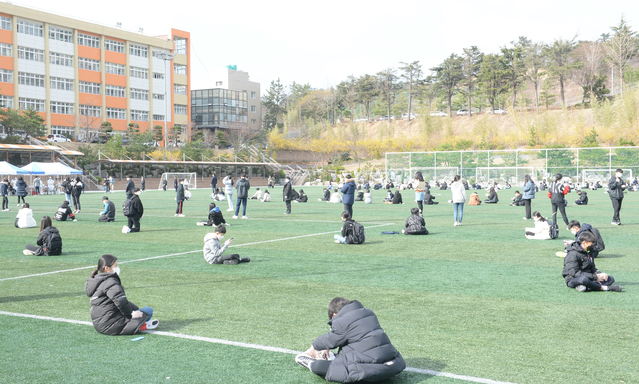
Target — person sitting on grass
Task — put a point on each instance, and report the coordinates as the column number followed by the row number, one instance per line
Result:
column 428, row 198
column 302, row 197
column 518, row 200
column 415, row 224
column 111, row 312
column 541, row 231
column 266, row 197
column 389, row 197
column 219, row 195
column 492, row 197
column 577, row 229
column 215, row 217
column 350, row 234
column 365, row 351
column 49, row 241
column 257, row 195
column 474, row 199
column 579, row 267
column 24, row 218
column 368, row 197
column 108, row 215
column 213, row 249
column 360, row 195
column 583, row 198
column 327, row 195
column 64, row 212
column 336, row 198
column 397, row 198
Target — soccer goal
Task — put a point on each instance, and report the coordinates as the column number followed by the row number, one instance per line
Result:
column 602, row 174
column 433, row 174
column 501, row 175
column 190, row 179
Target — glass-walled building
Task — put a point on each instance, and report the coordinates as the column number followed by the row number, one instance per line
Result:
column 219, row 108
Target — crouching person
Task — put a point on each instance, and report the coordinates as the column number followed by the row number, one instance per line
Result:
column 213, row 249
column 415, row 224
column 111, row 312
column 108, row 215
column 64, row 212
column 365, row 351
column 580, row 272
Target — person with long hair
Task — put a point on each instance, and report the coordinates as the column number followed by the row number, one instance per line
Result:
column 459, row 198
column 556, row 194
column 541, row 231
column 528, row 195
column 24, row 218
column 49, row 241
column 76, row 192
column 492, row 196
column 420, row 186
column 21, row 189
column 111, row 312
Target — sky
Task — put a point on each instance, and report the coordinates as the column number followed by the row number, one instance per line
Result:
column 323, row 42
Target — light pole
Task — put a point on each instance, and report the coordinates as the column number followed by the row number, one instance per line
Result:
column 166, row 56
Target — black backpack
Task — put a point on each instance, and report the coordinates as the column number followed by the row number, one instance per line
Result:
column 554, row 229
column 358, row 236
column 127, row 208
column 52, row 244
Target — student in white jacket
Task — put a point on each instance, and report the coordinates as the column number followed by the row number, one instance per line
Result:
column 25, row 219
column 541, row 230
column 228, row 191
column 368, row 197
column 459, row 198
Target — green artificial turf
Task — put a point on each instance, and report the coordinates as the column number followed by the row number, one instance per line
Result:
column 477, row 300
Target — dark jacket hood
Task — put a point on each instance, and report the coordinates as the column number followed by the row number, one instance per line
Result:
column 93, row 284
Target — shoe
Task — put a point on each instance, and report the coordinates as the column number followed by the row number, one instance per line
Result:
column 525, row 218
column 181, row 215
column 175, row 215
column 287, row 213
column 337, row 242
column 616, row 223
column 27, row 252
column 581, row 288
column 152, row 324
column 304, row 360
column 75, row 220
column 616, row 288
column 6, row 210
column 231, row 262
column 199, row 223
column 244, row 217
column 459, row 224
column 245, row 259
column 402, row 231
column 235, row 217
column 560, row 254
column 78, row 211
column 454, row 225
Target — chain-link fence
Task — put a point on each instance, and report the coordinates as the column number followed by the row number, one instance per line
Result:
column 579, row 164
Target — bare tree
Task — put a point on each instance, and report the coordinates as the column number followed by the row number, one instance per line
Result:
column 621, row 48
column 472, row 58
column 534, row 61
column 412, row 76
column 591, row 54
column 239, row 138
column 561, row 62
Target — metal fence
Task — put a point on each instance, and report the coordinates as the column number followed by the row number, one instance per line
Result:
column 579, row 164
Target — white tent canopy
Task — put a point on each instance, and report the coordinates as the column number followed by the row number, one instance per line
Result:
column 37, row 168
column 8, row 169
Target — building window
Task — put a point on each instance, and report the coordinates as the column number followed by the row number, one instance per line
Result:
column 180, row 45
column 179, row 89
column 158, row 117
column 179, row 109
column 140, row 73
column 6, row 76
column 218, row 83
column 253, row 108
column 61, row 84
column 90, row 64
column 114, row 90
column 62, row 130
column 30, row 28
column 159, row 76
column 5, row 50
column 5, row 23
column 139, row 115
column 60, row 59
column 253, row 122
column 88, row 40
column 92, row 88
column 138, row 50
column 30, row 79
column 179, row 69
column 114, row 46
column 31, row 54
column 35, row 104
column 61, row 108
column 90, row 110
column 114, row 69
column 116, row 113
column 60, row 34
column 6, row 101
column 139, row 94
column 158, row 96
column 253, row 95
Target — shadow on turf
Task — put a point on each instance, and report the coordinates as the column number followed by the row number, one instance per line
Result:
column 610, row 256
column 9, row 299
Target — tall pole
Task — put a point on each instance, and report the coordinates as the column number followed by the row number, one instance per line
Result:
column 167, row 57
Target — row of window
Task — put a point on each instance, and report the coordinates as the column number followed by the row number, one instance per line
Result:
column 6, row 50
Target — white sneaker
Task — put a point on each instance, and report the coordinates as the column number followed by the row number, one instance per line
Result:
column 6, row 210
column 199, row 223
column 152, row 324
column 181, row 215
column 304, row 360
column 235, row 217
column 244, row 217
column 27, row 252
column 454, row 225
column 175, row 215
column 337, row 242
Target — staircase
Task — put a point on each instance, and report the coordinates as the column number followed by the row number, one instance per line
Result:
column 264, row 158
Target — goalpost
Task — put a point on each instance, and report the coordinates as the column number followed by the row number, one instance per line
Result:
column 433, row 174
column 602, row 174
column 512, row 175
column 190, row 179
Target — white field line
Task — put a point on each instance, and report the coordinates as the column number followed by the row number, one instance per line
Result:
column 182, row 253
column 253, row 346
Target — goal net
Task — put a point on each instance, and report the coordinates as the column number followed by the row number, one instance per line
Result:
column 501, row 175
column 603, row 175
column 190, row 179
column 433, row 174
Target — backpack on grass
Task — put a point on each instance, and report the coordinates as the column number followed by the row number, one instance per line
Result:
column 554, row 229
column 358, row 236
column 127, row 208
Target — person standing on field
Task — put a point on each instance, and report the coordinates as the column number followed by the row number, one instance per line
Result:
column 288, row 194
column 557, row 193
column 242, row 187
column 228, row 191
column 214, row 183
column 459, row 198
column 529, row 194
column 180, row 198
column 348, row 191
column 130, row 185
column 616, row 186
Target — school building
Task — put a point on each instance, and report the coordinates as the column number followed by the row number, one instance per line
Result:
column 78, row 74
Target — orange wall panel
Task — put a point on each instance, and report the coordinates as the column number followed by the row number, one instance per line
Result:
column 88, row 52
column 112, row 79
column 6, row 62
column 6, row 36
column 90, row 99
column 116, row 102
column 115, row 57
column 7, row 90
column 90, row 76
column 118, row 125
column 64, row 120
